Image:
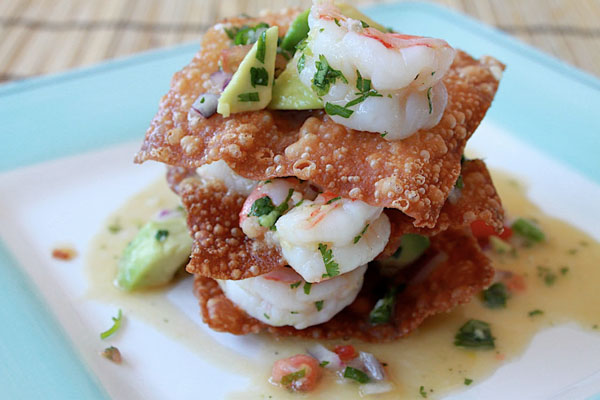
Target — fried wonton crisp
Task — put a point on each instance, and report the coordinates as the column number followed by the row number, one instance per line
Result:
column 414, row 175
column 449, row 274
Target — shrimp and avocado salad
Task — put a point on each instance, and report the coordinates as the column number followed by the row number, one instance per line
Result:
column 319, row 160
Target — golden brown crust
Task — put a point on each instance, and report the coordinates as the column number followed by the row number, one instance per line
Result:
column 220, row 249
column 428, row 291
column 478, row 201
column 413, row 175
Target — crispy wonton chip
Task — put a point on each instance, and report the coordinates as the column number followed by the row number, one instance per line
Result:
column 477, row 200
column 453, row 270
column 414, row 175
column 220, row 249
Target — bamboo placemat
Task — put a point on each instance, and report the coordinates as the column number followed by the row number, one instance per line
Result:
column 45, row 36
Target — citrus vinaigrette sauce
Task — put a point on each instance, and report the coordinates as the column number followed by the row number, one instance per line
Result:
column 427, row 357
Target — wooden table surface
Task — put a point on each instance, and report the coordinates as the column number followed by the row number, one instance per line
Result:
column 46, row 36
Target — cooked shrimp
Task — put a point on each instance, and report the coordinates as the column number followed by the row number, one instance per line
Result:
column 219, row 170
column 330, row 236
column 279, row 195
column 386, row 82
column 299, row 373
column 282, row 297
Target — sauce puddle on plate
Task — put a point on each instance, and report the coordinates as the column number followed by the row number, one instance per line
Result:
column 559, row 277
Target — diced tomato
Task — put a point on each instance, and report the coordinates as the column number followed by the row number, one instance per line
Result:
column 515, row 283
column 345, row 352
column 327, row 196
column 288, row 372
column 506, row 233
column 481, row 230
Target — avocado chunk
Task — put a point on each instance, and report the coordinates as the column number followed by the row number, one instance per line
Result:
column 289, row 93
column 412, row 246
column 298, row 31
column 155, row 254
column 251, row 86
column 351, row 12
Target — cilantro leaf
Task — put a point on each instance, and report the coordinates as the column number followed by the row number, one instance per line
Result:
column 475, row 334
column 356, row 374
column 333, row 109
column 330, row 265
column 325, row 76
column 319, row 304
column 288, row 379
column 116, row 325
column 161, row 235
column 495, row 296
column 259, row 76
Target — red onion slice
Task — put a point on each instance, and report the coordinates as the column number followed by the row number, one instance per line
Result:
column 220, row 79
column 321, row 353
column 372, row 365
column 206, row 104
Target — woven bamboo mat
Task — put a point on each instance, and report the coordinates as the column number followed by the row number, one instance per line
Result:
column 45, row 36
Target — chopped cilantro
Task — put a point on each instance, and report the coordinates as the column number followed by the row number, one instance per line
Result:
column 383, row 309
column 267, row 316
column 356, row 374
column 535, row 312
column 548, row 276
column 246, row 97
column 306, row 287
column 384, row 134
column 323, row 363
column 202, row 100
column 528, row 230
column 295, row 284
column 564, row 270
column 337, row 21
column 333, row 109
column 364, row 90
column 116, row 325
column 161, row 235
column 468, row 381
column 245, row 34
column 301, row 61
column 330, row 265
column 325, row 76
column 262, row 206
column 288, row 379
column 319, row 304
column 459, row 182
column 422, row 391
column 495, row 296
column 429, row 100
column 299, row 203
column 358, row 237
column 334, row 199
column 259, row 76
column 294, row 312
column 115, row 227
column 433, row 73
column 364, row 24
column 261, row 47
column 475, row 334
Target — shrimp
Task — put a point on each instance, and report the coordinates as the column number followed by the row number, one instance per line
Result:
column 282, row 297
column 374, row 81
column 330, row 236
column 279, row 195
column 298, row 373
column 219, row 170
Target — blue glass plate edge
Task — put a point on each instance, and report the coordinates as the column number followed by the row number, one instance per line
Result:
column 59, row 371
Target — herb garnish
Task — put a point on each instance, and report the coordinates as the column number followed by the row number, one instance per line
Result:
column 259, row 76
column 364, row 24
column 319, row 304
column 459, row 182
column 301, row 61
column 475, row 334
column 429, row 100
column 115, row 227
column 306, row 288
column 564, row 270
column 356, row 374
column 267, row 316
column 468, row 381
column 337, row 21
column 245, row 34
column 266, row 211
column 359, row 236
column 262, row 206
column 384, row 134
column 495, row 296
column 383, row 309
column 295, row 284
column 325, row 76
column 528, row 230
column 333, row 109
column 246, row 97
column 547, row 275
column 334, row 199
column 161, row 235
column 115, row 327
column 422, row 391
column 294, row 376
column 323, row 363
column 261, row 47
column 330, row 265
column 364, row 90
column 535, row 312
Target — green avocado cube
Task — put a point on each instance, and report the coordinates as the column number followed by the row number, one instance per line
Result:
column 289, row 93
column 153, row 257
column 251, row 86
